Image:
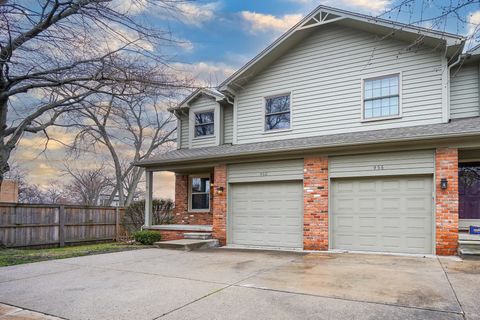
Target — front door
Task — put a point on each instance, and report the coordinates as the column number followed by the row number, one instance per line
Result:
column 469, row 194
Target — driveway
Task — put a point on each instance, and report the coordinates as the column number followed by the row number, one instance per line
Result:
column 234, row 284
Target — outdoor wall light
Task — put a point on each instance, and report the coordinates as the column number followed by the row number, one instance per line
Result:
column 220, row 190
column 443, row 183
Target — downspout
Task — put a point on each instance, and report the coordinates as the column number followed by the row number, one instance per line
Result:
column 460, row 58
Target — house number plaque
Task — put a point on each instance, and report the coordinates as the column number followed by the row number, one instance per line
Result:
column 378, row 167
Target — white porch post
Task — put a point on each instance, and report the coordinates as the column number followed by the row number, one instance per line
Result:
column 148, row 198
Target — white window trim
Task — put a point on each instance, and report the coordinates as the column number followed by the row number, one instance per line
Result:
column 264, row 113
column 190, row 177
column 400, row 94
column 214, row 123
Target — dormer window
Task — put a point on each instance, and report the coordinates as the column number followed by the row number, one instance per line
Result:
column 204, row 124
column 277, row 112
column 381, row 97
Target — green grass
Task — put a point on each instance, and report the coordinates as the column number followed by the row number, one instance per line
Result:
column 9, row 257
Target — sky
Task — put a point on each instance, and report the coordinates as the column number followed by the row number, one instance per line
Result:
column 215, row 38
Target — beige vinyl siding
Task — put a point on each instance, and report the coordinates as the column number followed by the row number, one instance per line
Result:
column 202, row 104
column 227, row 124
column 464, row 92
column 323, row 74
column 266, row 171
column 382, row 164
column 184, row 132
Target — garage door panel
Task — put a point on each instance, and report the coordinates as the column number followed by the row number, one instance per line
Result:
column 391, row 214
column 271, row 214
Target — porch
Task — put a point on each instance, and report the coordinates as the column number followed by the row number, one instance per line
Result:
column 198, row 191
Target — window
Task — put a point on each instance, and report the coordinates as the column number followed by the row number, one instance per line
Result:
column 277, row 112
column 204, row 123
column 381, row 97
column 200, row 193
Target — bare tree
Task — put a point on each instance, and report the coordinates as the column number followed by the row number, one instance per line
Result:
column 88, row 185
column 130, row 129
column 56, row 54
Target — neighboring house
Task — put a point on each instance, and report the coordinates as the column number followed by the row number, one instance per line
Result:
column 104, row 198
column 346, row 133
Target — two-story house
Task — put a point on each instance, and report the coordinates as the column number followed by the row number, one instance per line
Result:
column 346, row 133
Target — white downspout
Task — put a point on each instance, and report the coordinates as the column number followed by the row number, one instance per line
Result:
column 459, row 59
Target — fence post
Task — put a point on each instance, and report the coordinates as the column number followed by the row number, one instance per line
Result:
column 117, row 223
column 61, row 226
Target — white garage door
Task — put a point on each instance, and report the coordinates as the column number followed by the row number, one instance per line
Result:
column 389, row 214
column 267, row 214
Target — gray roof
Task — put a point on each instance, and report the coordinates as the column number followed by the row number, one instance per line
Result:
column 455, row 128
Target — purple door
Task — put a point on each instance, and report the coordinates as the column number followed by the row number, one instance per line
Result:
column 469, row 191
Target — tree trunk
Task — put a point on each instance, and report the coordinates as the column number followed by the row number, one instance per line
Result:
column 5, row 150
column 137, row 176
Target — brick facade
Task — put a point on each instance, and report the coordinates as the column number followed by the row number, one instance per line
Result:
column 315, row 202
column 182, row 215
column 220, row 204
column 446, row 164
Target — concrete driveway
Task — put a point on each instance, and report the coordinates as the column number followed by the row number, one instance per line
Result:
column 233, row 284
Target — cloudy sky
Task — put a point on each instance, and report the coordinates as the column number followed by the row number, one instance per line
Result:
column 214, row 38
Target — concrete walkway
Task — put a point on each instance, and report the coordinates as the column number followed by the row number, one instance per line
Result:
column 234, row 284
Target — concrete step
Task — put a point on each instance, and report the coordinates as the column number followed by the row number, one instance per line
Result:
column 187, row 244
column 469, row 253
column 197, row 235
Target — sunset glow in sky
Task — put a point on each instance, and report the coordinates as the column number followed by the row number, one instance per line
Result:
column 213, row 39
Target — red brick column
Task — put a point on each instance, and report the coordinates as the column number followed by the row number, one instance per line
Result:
column 220, row 204
column 181, row 195
column 446, row 164
column 315, row 203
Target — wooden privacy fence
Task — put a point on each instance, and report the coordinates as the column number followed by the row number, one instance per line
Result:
column 24, row 225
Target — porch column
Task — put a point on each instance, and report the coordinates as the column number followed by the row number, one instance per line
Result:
column 148, row 198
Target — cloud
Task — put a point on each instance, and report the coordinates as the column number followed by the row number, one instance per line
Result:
column 130, row 6
column 205, row 73
column 259, row 22
column 185, row 44
column 197, row 14
column 473, row 22
column 372, row 6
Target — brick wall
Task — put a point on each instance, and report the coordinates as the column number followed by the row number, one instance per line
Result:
column 315, row 201
column 446, row 163
column 182, row 215
column 220, row 204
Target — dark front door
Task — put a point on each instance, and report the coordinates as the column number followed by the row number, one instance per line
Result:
column 469, row 190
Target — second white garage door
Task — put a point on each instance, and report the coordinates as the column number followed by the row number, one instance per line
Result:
column 267, row 214
column 389, row 214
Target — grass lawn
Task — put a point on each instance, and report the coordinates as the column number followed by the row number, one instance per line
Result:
column 9, row 257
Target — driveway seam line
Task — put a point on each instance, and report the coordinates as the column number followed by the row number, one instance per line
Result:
column 351, row 300
column 152, row 274
column 39, row 275
column 451, row 287
column 32, row 310
column 221, row 289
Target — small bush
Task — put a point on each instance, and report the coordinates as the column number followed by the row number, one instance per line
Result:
column 146, row 237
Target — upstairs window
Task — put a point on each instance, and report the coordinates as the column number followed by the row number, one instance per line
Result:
column 381, row 97
column 204, row 124
column 200, row 193
column 277, row 112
